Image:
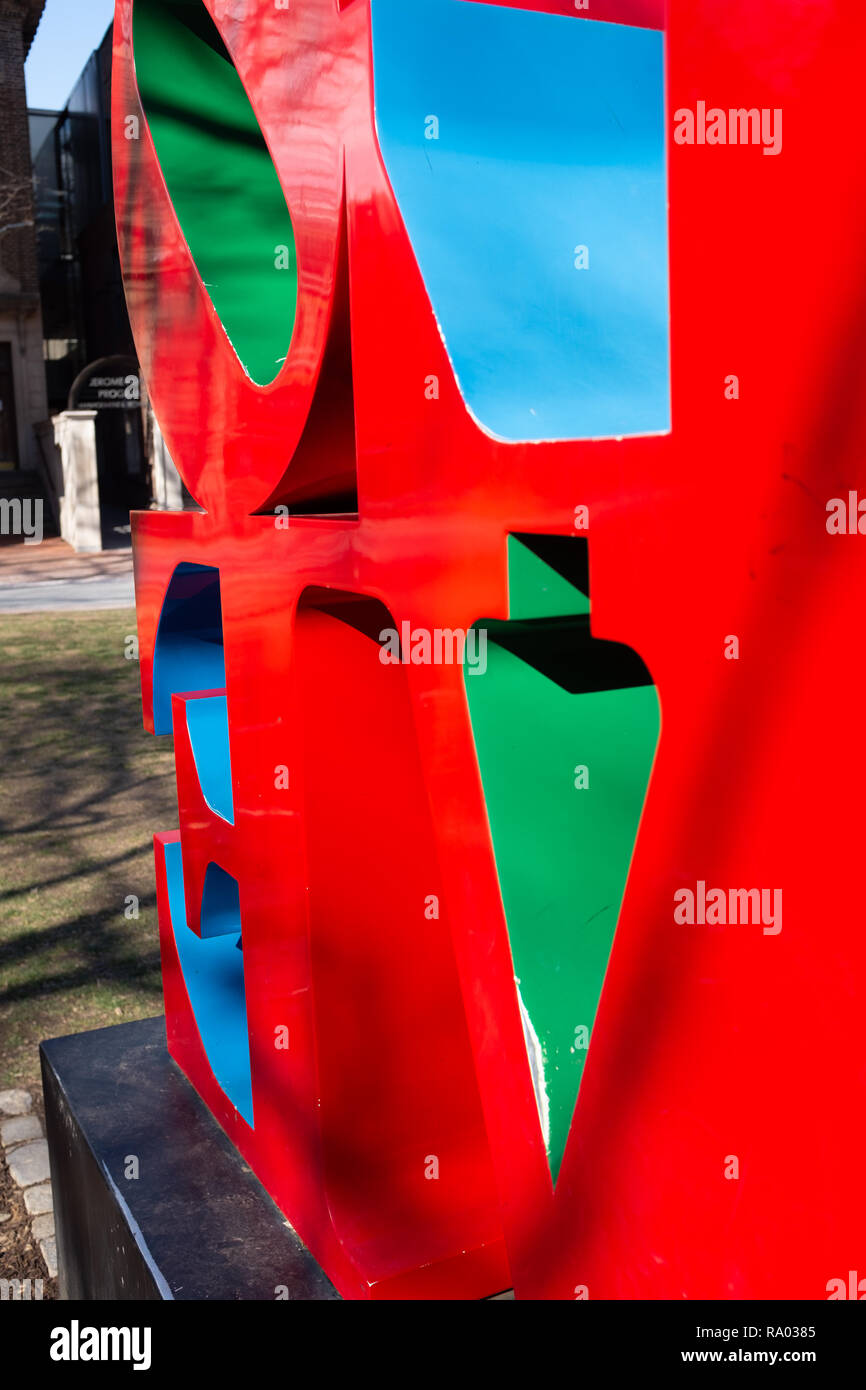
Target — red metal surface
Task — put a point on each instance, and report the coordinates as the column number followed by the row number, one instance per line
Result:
column 709, row 1042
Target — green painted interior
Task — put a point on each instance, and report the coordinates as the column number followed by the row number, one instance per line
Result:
column 220, row 177
column 562, row 854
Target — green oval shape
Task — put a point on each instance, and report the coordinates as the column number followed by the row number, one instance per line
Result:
column 220, row 177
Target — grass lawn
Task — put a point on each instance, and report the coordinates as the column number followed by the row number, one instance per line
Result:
column 82, row 790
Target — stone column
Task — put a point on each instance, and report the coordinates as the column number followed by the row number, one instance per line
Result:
column 80, row 521
column 166, row 484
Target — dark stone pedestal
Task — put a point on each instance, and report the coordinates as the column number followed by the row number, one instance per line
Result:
column 195, row 1223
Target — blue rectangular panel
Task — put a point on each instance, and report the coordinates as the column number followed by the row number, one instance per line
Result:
column 511, row 139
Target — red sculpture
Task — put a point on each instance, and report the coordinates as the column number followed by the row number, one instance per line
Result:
column 332, row 810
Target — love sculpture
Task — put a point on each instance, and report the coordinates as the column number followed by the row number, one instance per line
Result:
column 398, row 277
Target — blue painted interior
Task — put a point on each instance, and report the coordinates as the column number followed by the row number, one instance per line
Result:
column 208, row 723
column 551, row 136
column 188, row 655
column 213, row 972
column 220, row 904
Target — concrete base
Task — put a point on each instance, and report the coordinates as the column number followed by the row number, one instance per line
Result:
column 151, row 1200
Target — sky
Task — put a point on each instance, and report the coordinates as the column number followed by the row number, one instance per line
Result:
column 68, row 33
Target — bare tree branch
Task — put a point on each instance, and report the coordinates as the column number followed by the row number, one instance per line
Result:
column 16, row 201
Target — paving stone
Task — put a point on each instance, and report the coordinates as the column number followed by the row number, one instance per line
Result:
column 29, row 1164
column 49, row 1255
column 15, row 1103
column 19, row 1128
column 43, row 1226
column 39, row 1200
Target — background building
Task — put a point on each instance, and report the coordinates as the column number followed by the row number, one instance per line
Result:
column 89, row 351
column 83, row 304
column 76, row 427
column 23, row 401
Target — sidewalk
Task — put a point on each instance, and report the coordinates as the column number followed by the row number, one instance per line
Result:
column 52, row 577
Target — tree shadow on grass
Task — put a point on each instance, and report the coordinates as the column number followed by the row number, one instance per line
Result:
column 83, row 789
column 105, row 952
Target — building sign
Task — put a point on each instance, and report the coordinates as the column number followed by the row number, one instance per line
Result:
column 111, row 383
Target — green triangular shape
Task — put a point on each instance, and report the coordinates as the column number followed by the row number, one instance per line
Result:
column 562, row 850
column 536, row 589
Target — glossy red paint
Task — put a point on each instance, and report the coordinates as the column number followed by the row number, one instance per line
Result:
column 708, row 1042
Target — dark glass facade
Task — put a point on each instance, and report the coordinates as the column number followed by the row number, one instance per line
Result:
column 83, row 306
